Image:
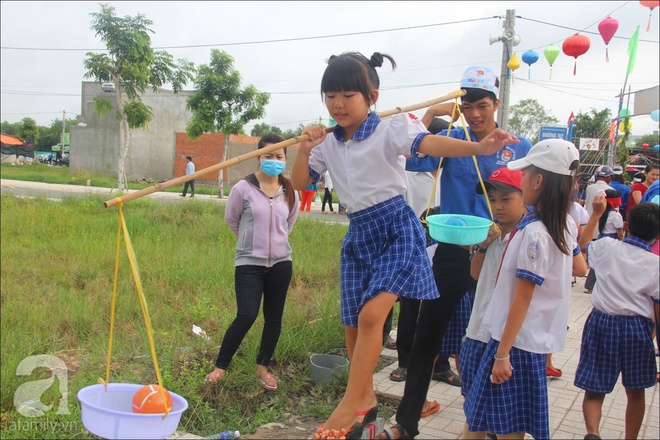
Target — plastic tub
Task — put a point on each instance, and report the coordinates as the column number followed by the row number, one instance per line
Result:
column 108, row 414
column 458, row 229
column 327, row 367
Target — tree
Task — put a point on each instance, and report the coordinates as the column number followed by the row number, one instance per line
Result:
column 28, row 127
column 132, row 65
column 220, row 105
column 262, row 129
column 527, row 117
column 10, row 128
column 593, row 124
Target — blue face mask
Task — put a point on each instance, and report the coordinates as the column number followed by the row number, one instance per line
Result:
column 271, row 167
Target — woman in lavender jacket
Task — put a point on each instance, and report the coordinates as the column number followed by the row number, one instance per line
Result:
column 261, row 210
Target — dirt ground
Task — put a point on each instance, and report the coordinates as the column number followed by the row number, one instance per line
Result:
column 295, row 427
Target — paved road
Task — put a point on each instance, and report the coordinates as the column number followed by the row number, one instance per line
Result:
column 56, row 191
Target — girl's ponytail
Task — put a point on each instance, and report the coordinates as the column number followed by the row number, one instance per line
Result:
column 377, row 60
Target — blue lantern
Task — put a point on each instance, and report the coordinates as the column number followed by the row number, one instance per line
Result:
column 529, row 58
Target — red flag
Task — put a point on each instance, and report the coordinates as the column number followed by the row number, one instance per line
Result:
column 570, row 118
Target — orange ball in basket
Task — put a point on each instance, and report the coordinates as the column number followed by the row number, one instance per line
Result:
column 149, row 400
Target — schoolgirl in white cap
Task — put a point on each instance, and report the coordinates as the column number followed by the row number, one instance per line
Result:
column 528, row 313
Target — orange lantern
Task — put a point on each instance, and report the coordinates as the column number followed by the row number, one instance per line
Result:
column 651, row 5
column 575, row 46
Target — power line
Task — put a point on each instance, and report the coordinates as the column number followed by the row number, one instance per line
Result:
column 280, row 40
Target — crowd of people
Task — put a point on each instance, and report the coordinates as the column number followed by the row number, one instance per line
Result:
column 512, row 289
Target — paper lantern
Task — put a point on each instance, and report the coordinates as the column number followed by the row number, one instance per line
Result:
column 607, row 28
column 633, row 145
column 575, row 46
column 551, row 53
column 514, row 62
column 529, row 58
column 656, row 147
column 651, row 5
column 655, row 115
column 645, row 145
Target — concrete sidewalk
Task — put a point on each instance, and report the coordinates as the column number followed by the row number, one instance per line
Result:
column 566, row 420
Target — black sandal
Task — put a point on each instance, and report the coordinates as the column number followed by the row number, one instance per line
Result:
column 389, row 435
column 399, row 375
column 448, row 377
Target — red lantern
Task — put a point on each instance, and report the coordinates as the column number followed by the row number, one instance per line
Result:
column 651, row 5
column 645, row 145
column 607, row 29
column 575, row 46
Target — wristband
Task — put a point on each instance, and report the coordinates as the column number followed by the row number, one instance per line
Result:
column 502, row 358
column 479, row 249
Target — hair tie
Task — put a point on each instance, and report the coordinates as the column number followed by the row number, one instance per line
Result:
column 376, row 60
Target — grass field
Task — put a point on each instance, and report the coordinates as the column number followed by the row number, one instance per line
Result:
column 55, row 300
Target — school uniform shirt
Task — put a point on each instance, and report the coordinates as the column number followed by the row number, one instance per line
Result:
column 459, row 177
column 533, row 255
column 628, row 274
column 613, row 223
column 579, row 214
column 369, row 168
column 485, row 287
column 591, row 192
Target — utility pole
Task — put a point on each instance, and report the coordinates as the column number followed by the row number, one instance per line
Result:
column 505, row 78
column 63, row 133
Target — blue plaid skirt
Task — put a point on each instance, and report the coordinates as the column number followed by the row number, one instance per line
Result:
column 471, row 353
column 384, row 251
column 518, row 405
column 451, row 341
column 613, row 344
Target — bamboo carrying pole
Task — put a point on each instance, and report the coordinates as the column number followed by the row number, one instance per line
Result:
column 295, row 140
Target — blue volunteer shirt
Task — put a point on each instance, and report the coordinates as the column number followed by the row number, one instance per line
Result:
column 459, row 177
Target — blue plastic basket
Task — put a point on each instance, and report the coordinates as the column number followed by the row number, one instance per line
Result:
column 458, row 229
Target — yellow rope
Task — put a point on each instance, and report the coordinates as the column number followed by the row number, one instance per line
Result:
column 114, row 302
column 143, row 303
column 474, row 159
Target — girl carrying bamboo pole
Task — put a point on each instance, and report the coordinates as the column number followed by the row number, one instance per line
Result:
column 384, row 254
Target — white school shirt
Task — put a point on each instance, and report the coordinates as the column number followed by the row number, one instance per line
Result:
column 533, row 255
column 579, row 214
column 613, row 223
column 485, row 287
column 627, row 277
column 370, row 168
column 328, row 181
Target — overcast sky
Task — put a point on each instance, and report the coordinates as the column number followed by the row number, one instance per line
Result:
column 432, row 43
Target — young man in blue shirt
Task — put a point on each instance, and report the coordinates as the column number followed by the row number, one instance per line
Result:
column 451, row 263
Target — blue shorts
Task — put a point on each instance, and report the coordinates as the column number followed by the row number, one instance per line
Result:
column 613, row 344
column 451, row 341
column 468, row 362
column 518, row 405
column 384, row 251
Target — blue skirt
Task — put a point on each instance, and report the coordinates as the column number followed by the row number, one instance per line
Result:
column 613, row 344
column 384, row 251
column 518, row 405
column 453, row 337
column 471, row 353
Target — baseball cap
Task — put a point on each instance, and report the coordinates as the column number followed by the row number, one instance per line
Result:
column 617, row 169
column 502, row 179
column 480, row 78
column 555, row 155
column 603, row 171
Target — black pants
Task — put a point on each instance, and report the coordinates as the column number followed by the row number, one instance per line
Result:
column 451, row 269
column 405, row 333
column 327, row 197
column 189, row 184
column 251, row 283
